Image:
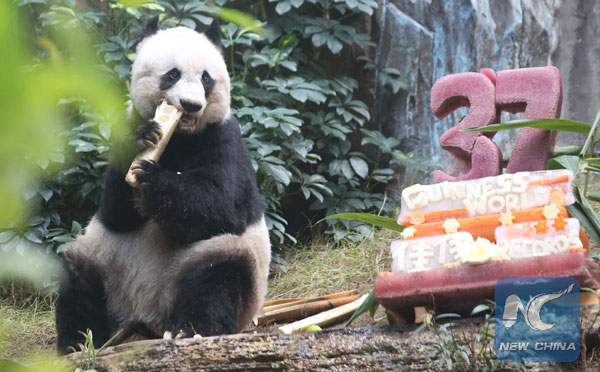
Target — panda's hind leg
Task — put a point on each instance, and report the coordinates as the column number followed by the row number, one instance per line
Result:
column 81, row 305
column 211, row 295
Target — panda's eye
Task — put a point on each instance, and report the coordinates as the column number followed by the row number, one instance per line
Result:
column 206, row 77
column 173, row 74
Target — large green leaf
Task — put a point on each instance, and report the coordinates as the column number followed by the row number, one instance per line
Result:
column 549, row 124
column 379, row 221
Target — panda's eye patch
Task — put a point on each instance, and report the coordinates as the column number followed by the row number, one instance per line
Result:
column 174, row 74
column 170, row 78
column 208, row 83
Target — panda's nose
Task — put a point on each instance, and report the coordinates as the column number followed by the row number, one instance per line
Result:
column 189, row 106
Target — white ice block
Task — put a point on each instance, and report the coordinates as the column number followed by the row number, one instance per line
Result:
column 513, row 241
column 428, row 253
column 523, row 240
column 489, row 195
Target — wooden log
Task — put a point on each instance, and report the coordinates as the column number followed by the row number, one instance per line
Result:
column 381, row 348
column 345, row 349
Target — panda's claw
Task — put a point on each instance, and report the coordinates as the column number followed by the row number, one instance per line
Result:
column 144, row 171
column 149, row 135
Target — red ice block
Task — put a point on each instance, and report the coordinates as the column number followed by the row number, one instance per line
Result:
column 537, row 93
column 476, row 91
column 469, row 285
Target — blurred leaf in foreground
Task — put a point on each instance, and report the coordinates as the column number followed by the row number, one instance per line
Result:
column 30, row 119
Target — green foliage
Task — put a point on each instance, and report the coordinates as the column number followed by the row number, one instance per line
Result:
column 370, row 304
column 296, row 108
column 87, row 357
column 464, row 349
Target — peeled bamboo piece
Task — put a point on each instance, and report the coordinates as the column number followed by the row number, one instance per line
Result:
column 166, row 117
column 324, row 318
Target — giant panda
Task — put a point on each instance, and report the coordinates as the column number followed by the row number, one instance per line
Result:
column 187, row 252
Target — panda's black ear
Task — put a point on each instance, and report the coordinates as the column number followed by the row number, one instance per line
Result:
column 213, row 33
column 150, row 28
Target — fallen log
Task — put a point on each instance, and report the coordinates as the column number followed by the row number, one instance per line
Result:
column 369, row 348
column 385, row 348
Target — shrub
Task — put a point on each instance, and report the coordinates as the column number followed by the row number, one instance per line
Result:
column 299, row 109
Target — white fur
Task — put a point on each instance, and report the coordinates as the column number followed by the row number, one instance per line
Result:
column 192, row 53
column 141, row 267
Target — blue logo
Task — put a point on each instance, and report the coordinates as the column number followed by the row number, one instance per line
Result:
column 537, row 319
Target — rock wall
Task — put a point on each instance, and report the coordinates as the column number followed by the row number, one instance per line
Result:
column 427, row 39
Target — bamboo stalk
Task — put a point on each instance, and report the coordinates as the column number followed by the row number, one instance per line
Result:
column 305, row 309
column 324, row 318
column 283, row 301
column 269, row 308
column 167, row 117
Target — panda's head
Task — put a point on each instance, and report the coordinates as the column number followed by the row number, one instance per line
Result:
column 186, row 68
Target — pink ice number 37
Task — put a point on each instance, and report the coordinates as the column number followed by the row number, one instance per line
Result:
column 536, row 92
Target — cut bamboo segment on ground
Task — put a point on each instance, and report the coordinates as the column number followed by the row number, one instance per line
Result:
column 276, row 305
column 304, row 309
column 283, row 301
column 324, row 318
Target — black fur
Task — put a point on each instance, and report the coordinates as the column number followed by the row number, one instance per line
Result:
column 169, row 79
column 81, row 305
column 204, row 185
column 214, row 34
column 150, row 28
column 118, row 211
column 208, row 82
column 210, row 296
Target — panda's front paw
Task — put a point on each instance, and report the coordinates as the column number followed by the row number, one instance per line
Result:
column 146, row 172
column 149, row 135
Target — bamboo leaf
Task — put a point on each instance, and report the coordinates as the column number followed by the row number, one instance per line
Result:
column 480, row 309
column 587, row 209
column 591, row 135
column 379, row 221
column 577, row 211
column 447, row 316
column 570, row 162
column 369, row 304
column 549, row 124
column 566, row 150
column 595, row 196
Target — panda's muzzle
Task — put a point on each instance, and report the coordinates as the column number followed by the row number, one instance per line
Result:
column 190, row 106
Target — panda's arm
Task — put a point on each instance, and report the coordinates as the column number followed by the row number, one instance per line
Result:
column 117, row 208
column 198, row 205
